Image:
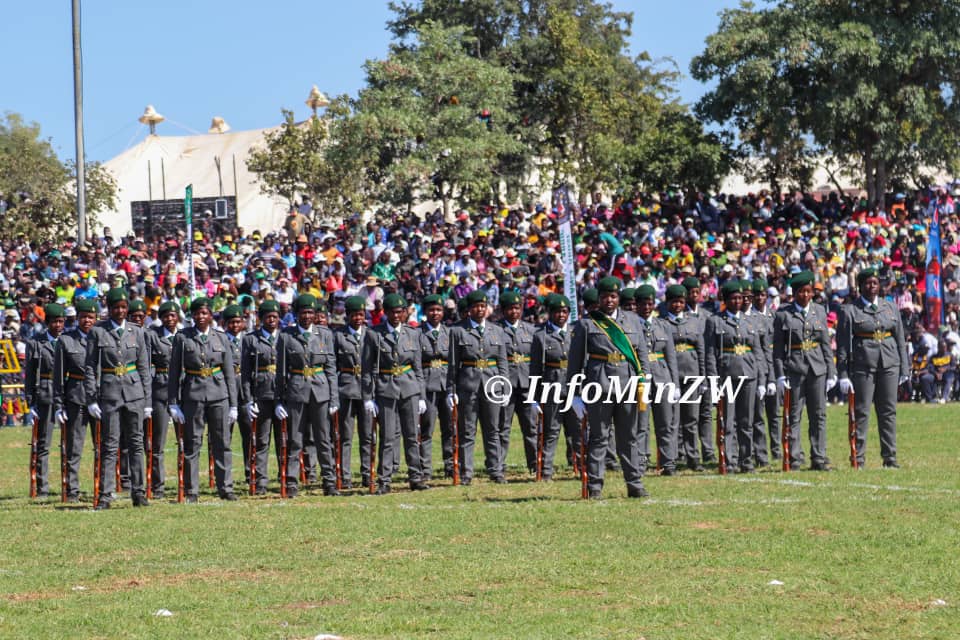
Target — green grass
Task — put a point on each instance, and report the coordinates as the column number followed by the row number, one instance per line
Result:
column 860, row 554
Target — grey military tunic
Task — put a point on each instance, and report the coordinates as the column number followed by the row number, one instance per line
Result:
column 772, row 402
column 39, row 392
column 434, row 350
column 661, row 372
column 519, row 345
column 349, row 348
column 548, row 361
column 160, row 344
column 70, row 396
column 691, row 369
column 258, row 370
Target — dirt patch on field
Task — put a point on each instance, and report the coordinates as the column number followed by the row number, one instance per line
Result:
column 299, row 606
column 705, row 525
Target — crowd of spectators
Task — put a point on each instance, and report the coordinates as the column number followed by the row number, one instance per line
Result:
column 655, row 239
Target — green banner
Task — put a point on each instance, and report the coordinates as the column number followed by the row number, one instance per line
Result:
column 188, row 204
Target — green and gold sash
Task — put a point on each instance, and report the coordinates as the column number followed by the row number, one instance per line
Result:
column 619, row 339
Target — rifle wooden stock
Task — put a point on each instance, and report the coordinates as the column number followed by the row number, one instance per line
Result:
column 373, row 454
column 117, row 471
column 178, row 427
column 584, row 431
column 852, row 429
column 149, row 445
column 785, row 430
column 303, row 468
column 253, row 457
column 63, row 463
column 284, row 462
column 210, row 474
column 34, row 454
column 337, row 453
column 540, row 448
column 97, row 460
column 456, row 445
column 721, row 436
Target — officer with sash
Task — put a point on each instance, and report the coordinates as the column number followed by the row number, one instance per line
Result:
column 662, row 372
column 258, row 371
column 393, row 391
column 734, row 353
column 39, row 389
column 119, row 395
column 307, row 393
column 202, row 389
column 609, row 344
column 548, row 361
column 696, row 315
column 872, row 359
column 519, row 343
column 435, row 348
column 348, row 341
column 691, row 369
column 770, row 403
column 803, row 361
column 160, row 343
column 478, row 352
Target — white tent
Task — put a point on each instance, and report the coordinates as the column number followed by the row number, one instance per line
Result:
column 177, row 161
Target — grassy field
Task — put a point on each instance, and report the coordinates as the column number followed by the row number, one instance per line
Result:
column 869, row 554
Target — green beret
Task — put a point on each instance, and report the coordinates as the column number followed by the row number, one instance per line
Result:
column 200, row 303
column 690, row 283
column 394, row 301
column 730, row 287
column 268, row 306
column 646, row 292
column 591, row 296
column 627, row 293
column 115, row 295
column 169, row 306
column 54, row 311
column 232, row 311
column 866, row 273
column 359, row 303
column 802, row 279
column 555, row 302
column 676, row 291
column 759, row 285
column 609, row 284
column 138, row 305
column 510, row 297
column 475, row 297
column 305, row 301
column 86, row 305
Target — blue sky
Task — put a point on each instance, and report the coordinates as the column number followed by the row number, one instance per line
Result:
column 240, row 59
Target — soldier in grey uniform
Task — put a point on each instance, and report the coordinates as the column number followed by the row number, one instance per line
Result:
column 393, row 391
column 435, row 348
column 307, row 393
column 118, row 392
column 872, row 359
column 202, row 383
column 548, row 361
column 39, row 389
column 348, row 342
column 69, row 394
column 478, row 352
column 234, row 323
column 519, row 343
column 609, row 344
column 734, row 352
column 662, row 373
column 696, row 316
column 136, row 314
column 258, row 372
column 803, row 361
column 160, row 343
column 691, row 365
column 771, row 400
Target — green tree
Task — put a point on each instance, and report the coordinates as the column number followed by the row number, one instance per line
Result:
column 873, row 83
column 41, row 189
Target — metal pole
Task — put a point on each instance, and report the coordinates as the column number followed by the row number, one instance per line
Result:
column 78, row 126
column 163, row 178
column 236, row 195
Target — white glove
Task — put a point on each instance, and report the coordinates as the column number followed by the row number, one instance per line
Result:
column 177, row 414
column 252, row 411
column 782, row 384
column 904, row 379
column 232, row 415
column 452, row 400
column 674, row 396
column 771, row 388
column 371, row 407
column 831, row 383
column 34, row 415
column 845, row 386
column 281, row 412
column 147, row 412
column 92, row 409
column 579, row 408
column 61, row 416
column 761, row 391
column 537, row 408
column 333, row 409
column 421, row 407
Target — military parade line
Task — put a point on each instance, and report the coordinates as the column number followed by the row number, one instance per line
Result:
column 311, row 389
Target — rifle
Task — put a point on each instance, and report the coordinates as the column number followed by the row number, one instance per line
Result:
column 303, row 470
column 34, row 453
column 540, row 448
column 210, row 473
column 180, row 459
column 119, row 450
column 584, row 428
column 373, row 454
column 149, row 445
column 336, row 443
column 253, row 457
column 721, row 436
column 96, row 464
column 456, row 445
column 852, row 429
column 785, row 428
column 283, row 458
column 63, row 463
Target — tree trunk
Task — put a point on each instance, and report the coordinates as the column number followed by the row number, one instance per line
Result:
column 881, row 183
column 869, row 165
